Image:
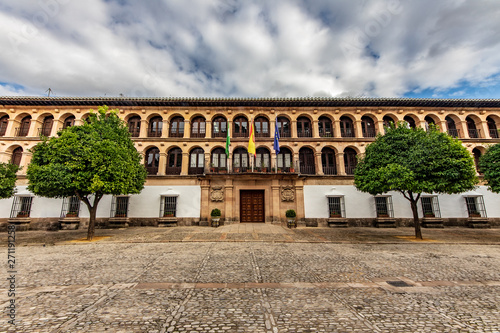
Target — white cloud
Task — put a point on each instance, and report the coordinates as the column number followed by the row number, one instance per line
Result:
column 251, row 48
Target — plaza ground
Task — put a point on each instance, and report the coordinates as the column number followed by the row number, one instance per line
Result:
column 256, row 278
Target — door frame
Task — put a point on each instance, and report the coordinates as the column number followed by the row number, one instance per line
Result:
column 263, row 191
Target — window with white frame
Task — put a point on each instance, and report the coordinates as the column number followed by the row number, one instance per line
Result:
column 336, row 206
column 383, row 205
column 430, row 206
column 70, row 207
column 475, row 206
column 119, row 206
column 168, row 207
column 21, row 207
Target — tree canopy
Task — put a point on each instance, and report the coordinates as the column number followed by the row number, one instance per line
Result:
column 415, row 161
column 7, row 180
column 89, row 161
column 489, row 164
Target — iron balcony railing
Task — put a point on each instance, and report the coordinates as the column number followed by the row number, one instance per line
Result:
column 454, row 133
column 369, row 133
column 493, row 133
column 304, row 134
column 347, row 132
column 329, row 170
column 474, row 133
column 326, row 133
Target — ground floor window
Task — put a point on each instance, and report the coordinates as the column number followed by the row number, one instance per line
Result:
column 430, row 207
column 475, row 206
column 70, row 207
column 383, row 205
column 168, row 207
column 336, row 207
column 21, row 207
column 119, row 207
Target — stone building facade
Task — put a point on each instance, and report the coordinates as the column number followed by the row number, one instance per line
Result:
column 183, row 143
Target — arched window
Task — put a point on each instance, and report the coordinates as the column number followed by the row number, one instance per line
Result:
column 452, row 129
column 17, row 154
column 134, row 126
column 219, row 160
column 240, row 160
column 328, row 161
column 152, row 160
column 284, row 159
column 409, row 121
column 197, row 162
column 155, row 127
column 4, row 121
column 387, row 122
column 261, row 127
column 240, row 125
column 346, row 127
column 219, row 127
column 304, row 127
column 174, row 162
column 471, row 127
column 477, row 155
column 284, row 127
column 492, row 127
column 24, row 127
column 69, row 121
column 198, row 127
column 325, row 127
column 350, row 160
column 47, row 126
column 306, row 160
column 428, row 122
column 368, row 127
column 263, row 159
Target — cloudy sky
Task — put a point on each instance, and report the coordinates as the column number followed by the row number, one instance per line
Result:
column 251, row 48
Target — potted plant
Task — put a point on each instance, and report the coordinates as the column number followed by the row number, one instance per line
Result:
column 429, row 214
column 474, row 214
column 23, row 214
column 212, row 167
column 71, row 214
column 335, row 213
column 168, row 213
column 215, row 214
column 291, row 167
column 290, row 215
column 222, row 170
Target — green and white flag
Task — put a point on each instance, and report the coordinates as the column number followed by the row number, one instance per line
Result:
column 228, row 142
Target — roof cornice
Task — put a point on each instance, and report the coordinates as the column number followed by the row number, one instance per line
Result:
column 256, row 102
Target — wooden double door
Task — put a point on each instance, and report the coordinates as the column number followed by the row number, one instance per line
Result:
column 252, row 206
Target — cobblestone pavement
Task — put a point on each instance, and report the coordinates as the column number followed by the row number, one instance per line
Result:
column 139, row 280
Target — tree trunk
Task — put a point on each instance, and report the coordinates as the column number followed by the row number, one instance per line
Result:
column 418, row 231
column 90, row 231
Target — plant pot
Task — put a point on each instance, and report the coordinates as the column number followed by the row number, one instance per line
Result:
column 474, row 215
column 429, row 215
column 71, row 215
column 215, row 222
column 120, row 215
column 168, row 215
column 335, row 215
column 22, row 215
column 291, row 223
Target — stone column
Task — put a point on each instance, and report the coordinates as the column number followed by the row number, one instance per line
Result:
column 206, row 165
column 187, row 128
column 358, row 131
column 336, row 128
column 299, row 201
column 380, row 127
column 11, row 127
column 143, row 132
column 185, row 164
column 275, row 202
column 465, row 129
column 164, row 129
column 162, row 165
column 319, row 165
column 208, row 129
column 484, row 130
column 205, row 204
column 229, row 201
column 32, row 129
column 293, row 128
column 340, row 164
column 315, row 129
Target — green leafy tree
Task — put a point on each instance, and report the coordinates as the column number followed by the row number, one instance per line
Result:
column 7, row 180
column 415, row 161
column 88, row 161
column 489, row 165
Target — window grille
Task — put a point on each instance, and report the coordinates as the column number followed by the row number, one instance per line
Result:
column 475, row 206
column 70, row 207
column 384, row 206
column 168, row 207
column 119, row 207
column 336, row 207
column 21, row 207
column 430, row 206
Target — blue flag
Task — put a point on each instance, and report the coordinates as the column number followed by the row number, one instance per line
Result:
column 276, row 138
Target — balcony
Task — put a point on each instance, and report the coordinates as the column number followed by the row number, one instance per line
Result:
column 154, row 134
column 369, row 133
column 347, row 132
column 22, row 131
column 328, row 133
column 304, row 134
column 329, row 170
column 307, row 169
column 493, row 133
column 173, row 171
column 474, row 133
column 454, row 133
column 44, row 131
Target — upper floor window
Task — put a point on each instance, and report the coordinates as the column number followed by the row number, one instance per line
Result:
column 176, row 127
column 409, row 121
column 46, row 128
column 219, row 159
column 328, row 161
column 452, row 129
column 219, row 127
column 134, row 126
column 284, row 127
column 152, row 160
column 388, row 122
column 174, row 162
column 240, row 125
column 262, row 159
column 368, row 127
column 24, row 126
column 346, row 127
column 17, row 154
column 69, row 121
column 284, row 159
column 240, row 160
column 350, row 161
column 471, row 127
column 4, row 121
column 304, row 127
column 325, row 127
column 261, row 127
column 198, row 127
column 306, row 160
column 197, row 162
column 492, row 127
column 428, row 122
column 155, row 127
